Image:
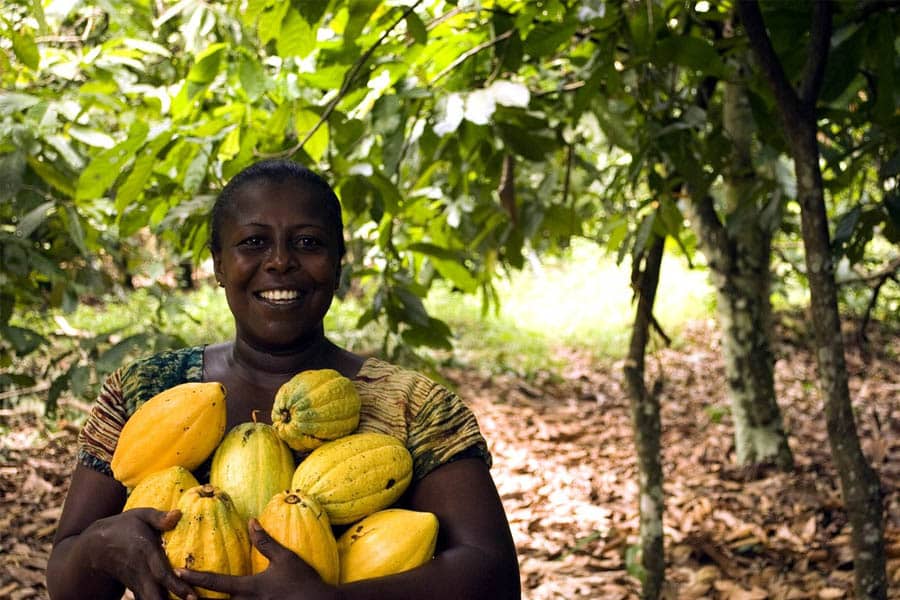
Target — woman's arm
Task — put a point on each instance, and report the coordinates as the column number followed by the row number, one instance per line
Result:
column 475, row 557
column 98, row 550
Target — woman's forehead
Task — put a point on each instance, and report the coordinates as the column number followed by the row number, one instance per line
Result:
column 278, row 197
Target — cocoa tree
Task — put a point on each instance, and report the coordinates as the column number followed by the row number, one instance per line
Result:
column 860, row 485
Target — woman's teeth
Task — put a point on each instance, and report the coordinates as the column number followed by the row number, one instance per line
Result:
column 279, row 295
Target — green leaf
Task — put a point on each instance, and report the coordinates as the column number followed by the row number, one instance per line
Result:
column 270, row 22
column 12, row 170
column 134, row 184
column 416, row 28
column 643, row 235
column 304, row 121
column 115, row 356
column 885, row 103
column 530, row 144
column 26, row 49
column 842, row 66
column 76, row 231
column 413, row 309
column 33, row 219
column 545, row 38
column 196, row 171
column 52, row 177
column 691, row 52
column 106, row 167
column 435, row 335
column 670, row 217
column 24, row 341
column 252, row 76
column 456, row 273
column 360, row 11
column 433, row 250
column 844, row 229
column 325, row 78
column 231, row 145
column 312, row 10
column 252, row 10
column 207, row 64
column 296, row 37
column 92, row 137
column 12, row 102
column 62, row 145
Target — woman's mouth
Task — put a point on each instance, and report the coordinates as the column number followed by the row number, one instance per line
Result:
column 279, row 296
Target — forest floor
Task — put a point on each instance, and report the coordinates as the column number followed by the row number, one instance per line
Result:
column 564, row 464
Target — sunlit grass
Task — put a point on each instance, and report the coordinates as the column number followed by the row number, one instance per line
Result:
column 582, row 301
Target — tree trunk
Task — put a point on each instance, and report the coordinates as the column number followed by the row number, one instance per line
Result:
column 646, row 424
column 739, row 259
column 860, row 485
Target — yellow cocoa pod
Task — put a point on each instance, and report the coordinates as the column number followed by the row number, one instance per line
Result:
column 299, row 523
column 386, row 542
column 210, row 536
column 161, row 490
column 356, row 475
column 252, row 464
column 179, row 426
column 315, row 406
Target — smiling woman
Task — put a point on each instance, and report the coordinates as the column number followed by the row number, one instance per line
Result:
column 277, row 245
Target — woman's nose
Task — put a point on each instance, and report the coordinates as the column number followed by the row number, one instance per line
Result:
column 280, row 258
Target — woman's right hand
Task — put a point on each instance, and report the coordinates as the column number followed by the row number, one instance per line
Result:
column 126, row 547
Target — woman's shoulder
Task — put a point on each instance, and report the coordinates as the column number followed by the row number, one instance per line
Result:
column 376, row 369
column 149, row 375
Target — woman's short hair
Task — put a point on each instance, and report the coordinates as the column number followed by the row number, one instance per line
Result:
column 276, row 171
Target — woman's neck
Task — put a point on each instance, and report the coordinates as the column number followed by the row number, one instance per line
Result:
column 260, row 366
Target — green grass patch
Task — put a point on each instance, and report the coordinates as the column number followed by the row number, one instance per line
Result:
column 582, row 301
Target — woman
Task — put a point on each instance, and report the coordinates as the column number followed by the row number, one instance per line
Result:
column 277, row 245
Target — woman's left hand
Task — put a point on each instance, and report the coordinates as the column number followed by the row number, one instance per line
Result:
column 288, row 577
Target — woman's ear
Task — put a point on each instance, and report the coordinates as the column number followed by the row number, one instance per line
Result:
column 217, row 270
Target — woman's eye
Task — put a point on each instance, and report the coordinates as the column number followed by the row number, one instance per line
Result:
column 307, row 243
column 252, row 242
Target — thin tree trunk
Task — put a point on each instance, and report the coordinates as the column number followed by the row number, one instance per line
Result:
column 860, row 485
column 646, row 424
column 739, row 260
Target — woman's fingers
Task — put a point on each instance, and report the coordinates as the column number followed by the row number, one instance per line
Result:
column 228, row 584
column 159, row 520
column 163, row 577
column 265, row 543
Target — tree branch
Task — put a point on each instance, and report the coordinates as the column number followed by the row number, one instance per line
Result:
column 759, row 40
column 469, row 53
column 349, row 78
column 819, row 41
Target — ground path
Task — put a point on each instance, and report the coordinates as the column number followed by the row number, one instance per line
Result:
column 564, row 465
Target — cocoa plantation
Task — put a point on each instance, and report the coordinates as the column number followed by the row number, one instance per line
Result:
column 651, row 245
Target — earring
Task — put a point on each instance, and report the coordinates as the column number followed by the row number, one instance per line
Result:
column 220, row 284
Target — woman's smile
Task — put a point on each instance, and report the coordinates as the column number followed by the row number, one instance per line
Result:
column 280, row 297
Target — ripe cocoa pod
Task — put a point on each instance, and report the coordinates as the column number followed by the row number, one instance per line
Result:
column 386, row 542
column 299, row 523
column 161, row 490
column 252, row 464
column 314, row 407
column 356, row 475
column 179, row 426
column 210, row 536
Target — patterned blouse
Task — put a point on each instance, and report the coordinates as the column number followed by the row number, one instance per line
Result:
column 433, row 422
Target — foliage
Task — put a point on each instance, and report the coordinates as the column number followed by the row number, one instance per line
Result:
column 461, row 138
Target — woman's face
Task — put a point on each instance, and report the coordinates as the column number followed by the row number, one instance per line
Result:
column 278, row 263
